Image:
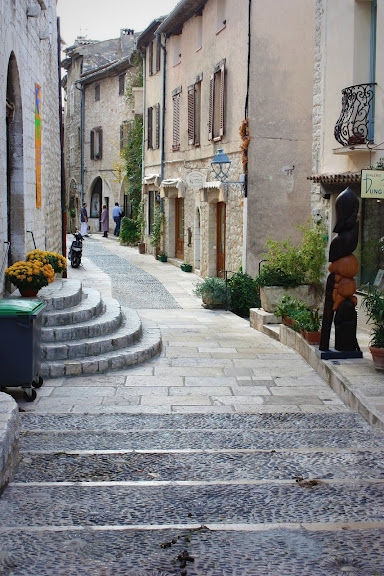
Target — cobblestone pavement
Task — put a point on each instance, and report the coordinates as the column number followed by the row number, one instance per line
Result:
column 226, row 455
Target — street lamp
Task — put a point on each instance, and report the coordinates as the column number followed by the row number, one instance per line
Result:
column 221, row 165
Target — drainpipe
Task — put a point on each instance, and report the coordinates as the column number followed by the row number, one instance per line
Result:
column 62, row 169
column 82, row 115
column 245, row 201
column 163, row 47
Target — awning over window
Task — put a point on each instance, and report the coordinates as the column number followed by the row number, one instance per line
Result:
column 151, row 179
column 345, row 178
column 173, row 188
column 213, row 192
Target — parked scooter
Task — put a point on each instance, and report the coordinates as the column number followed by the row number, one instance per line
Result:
column 76, row 249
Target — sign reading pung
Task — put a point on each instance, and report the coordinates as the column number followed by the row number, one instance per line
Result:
column 372, row 184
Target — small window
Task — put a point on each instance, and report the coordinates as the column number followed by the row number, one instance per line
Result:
column 176, row 97
column 97, row 92
column 176, row 49
column 221, row 14
column 71, row 149
column 97, row 143
column 199, row 32
column 121, row 84
column 216, row 103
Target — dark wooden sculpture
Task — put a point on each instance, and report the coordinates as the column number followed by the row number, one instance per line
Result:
column 340, row 301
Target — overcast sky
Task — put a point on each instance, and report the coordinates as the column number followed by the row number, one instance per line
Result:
column 102, row 20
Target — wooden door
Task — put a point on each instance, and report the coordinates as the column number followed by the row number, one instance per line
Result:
column 220, row 240
column 179, row 228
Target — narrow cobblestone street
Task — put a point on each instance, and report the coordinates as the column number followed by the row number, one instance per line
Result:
column 225, row 455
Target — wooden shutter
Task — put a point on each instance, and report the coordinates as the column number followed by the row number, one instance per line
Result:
column 222, row 93
column 158, row 55
column 92, row 144
column 150, row 127
column 100, row 143
column 191, row 114
column 211, row 103
column 157, row 126
column 176, row 122
column 150, row 59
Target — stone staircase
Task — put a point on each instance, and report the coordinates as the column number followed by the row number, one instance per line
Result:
column 195, row 495
column 84, row 332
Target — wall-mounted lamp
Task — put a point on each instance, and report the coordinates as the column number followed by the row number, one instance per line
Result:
column 221, row 165
column 33, row 11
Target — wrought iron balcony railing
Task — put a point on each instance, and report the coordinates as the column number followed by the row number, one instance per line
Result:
column 355, row 123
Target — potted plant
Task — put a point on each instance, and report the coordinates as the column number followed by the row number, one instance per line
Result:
column 57, row 261
column 30, row 276
column 140, row 221
column 214, row 292
column 308, row 323
column 185, row 267
column 287, row 307
column 373, row 303
column 162, row 257
column 157, row 229
column 294, row 270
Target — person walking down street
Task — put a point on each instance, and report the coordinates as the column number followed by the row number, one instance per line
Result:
column 84, row 220
column 117, row 214
column 104, row 221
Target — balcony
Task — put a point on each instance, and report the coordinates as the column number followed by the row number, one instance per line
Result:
column 355, row 123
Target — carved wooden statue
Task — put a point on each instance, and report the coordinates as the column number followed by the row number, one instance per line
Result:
column 340, row 301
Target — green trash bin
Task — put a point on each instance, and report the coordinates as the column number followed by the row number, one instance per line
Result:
column 20, row 339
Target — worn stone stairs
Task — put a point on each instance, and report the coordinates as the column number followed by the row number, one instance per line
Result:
column 195, row 495
column 84, row 332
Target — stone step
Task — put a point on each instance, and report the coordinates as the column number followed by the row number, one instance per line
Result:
column 190, row 440
column 113, row 352
column 142, row 504
column 197, row 466
column 110, row 320
column 348, row 421
column 90, row 306
column 229, row 550
column 62, row 293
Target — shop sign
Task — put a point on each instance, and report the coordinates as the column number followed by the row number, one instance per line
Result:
column 195, row 180
column 372, row 184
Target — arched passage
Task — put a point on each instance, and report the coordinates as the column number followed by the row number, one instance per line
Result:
column 96, row 203
column 15, row 165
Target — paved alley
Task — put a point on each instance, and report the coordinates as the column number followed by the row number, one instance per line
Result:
column 224, row 455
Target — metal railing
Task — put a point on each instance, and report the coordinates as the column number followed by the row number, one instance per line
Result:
column 355, row 123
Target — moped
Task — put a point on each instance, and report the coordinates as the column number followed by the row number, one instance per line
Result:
column 76, row 249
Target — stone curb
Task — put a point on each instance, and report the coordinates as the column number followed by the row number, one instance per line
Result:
column 9, row 438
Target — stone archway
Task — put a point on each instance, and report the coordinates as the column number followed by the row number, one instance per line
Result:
column 94, row 212
column 15, row 232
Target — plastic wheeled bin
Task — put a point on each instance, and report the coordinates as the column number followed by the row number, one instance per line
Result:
column 20, row 339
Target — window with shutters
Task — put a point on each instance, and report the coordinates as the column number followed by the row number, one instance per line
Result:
column 194, row 112
column 97, row 92
column 176, row 97
column 216, row 103
column 121, row 84
column 96, row 143
column 150, row 58
column 156, row 143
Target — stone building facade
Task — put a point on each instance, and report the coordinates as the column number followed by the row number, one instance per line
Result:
column 30, row 153
column 348, row 119
column 96, row 116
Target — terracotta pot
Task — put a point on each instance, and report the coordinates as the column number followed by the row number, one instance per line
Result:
column 141, row 247
column 28, row 292
column 312, row 337
column 377, row 357
column 288, row 321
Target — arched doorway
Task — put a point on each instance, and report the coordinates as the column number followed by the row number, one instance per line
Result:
column 96, row 202
column 15, row 165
